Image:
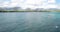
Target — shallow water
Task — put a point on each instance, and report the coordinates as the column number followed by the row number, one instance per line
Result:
column 30, row 22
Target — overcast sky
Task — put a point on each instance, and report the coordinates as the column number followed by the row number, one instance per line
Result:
column 31, row 3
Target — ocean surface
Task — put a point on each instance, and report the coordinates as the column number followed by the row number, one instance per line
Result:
column 30, row 22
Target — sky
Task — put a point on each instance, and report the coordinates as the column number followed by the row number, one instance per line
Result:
column 31, row 3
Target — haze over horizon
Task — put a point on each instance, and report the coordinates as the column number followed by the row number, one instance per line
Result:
column 31, row 3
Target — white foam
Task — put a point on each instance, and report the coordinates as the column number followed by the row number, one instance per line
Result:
column 57, row 26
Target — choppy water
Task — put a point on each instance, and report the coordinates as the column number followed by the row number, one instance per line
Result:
column 30, row 22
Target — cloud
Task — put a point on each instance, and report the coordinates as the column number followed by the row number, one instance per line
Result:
column 51, row 1
column 40, row 4
column 30, row 3
column 4, row 4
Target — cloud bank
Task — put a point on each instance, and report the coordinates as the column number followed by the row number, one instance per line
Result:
column 30, row 3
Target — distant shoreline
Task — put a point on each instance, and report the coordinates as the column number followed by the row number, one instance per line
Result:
column 24, row 11
column 29, row 11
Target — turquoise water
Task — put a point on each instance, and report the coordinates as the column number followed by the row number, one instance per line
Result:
column 30, row 22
